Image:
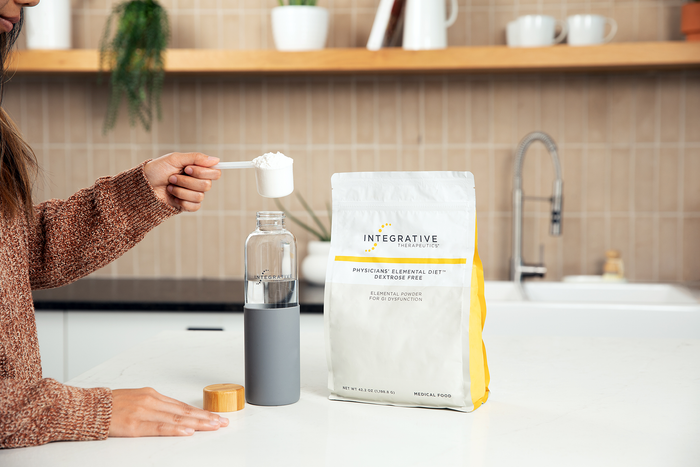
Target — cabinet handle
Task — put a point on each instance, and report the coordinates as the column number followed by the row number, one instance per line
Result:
column 195, row 328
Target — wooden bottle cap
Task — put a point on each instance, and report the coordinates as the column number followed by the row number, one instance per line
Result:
column 224, row 397
column 612, row 254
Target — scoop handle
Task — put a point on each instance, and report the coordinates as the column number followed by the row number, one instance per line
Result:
column 233, row 165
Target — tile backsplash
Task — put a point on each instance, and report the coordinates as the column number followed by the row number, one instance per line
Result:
column 629, row 143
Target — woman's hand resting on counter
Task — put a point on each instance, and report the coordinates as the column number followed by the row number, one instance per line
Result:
column 145, row 412
column 181, row 179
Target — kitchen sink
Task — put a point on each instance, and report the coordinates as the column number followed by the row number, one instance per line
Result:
column 592, row 310
column 592, row 293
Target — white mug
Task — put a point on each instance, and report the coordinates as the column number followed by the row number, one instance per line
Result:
column 425, row 26
column 534, row 31
column 589, row 29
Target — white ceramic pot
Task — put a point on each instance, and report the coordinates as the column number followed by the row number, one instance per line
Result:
column 313, row 267
column 49, row 25
column 297, row 27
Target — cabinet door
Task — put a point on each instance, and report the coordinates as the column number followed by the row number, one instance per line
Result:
column 49, row 327
column 93, row 337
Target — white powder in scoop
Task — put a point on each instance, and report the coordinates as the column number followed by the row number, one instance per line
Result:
column 274, row 175
column 272, row 161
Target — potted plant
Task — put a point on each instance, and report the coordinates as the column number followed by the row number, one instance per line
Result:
column 299, row 25
column 135, row 57
column 314, row 265
column 690, row 21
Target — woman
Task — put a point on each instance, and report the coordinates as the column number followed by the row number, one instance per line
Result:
column 58, row 242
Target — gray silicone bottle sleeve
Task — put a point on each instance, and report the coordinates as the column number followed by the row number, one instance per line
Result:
column 272, row 365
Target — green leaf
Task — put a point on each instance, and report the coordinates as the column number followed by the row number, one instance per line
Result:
column 135, row 56
column 323, row 235
column 330, row 214
column 312, row 214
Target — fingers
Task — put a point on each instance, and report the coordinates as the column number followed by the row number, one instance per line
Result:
column 163, row 429
column 190, row 183
column 145, row 412
column 186, row 206
column 181, row 179
column 189, row 411
column 189, row 188
column 204, row 160
column 188, row 200
column 173, row 415
column 202, row 172
column 183, row 159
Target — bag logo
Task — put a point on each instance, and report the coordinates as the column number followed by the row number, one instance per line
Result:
column 384, row 226
column 402, row 240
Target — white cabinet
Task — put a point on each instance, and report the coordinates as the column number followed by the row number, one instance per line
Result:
column 72, row 342
column 49, row 326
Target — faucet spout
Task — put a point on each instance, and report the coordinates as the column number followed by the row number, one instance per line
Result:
column 518, row 268
column 555, row 229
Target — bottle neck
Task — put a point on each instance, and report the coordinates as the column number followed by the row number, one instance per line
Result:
column 270, row 220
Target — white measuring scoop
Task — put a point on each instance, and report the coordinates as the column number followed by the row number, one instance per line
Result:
column 272, row 180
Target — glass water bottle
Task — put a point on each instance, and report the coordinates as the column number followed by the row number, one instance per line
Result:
column 271, row 313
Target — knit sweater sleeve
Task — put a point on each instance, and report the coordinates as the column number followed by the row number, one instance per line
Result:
column 71, row 238
column 46, row 410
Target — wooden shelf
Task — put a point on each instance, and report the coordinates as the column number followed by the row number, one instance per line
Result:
column 496, row 59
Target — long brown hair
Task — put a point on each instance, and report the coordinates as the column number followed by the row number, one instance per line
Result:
column 18, row 164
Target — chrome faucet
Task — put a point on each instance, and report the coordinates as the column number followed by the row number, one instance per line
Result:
column 518, row 269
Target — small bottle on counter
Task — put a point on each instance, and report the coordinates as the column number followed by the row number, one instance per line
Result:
column 271, row 313
column 613, row 269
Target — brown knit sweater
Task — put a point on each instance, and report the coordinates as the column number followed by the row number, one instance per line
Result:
column 64, row 242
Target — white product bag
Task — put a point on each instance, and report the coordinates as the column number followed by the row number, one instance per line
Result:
column 404, row 304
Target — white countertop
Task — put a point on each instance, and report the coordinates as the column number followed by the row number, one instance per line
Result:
column 555, row 401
